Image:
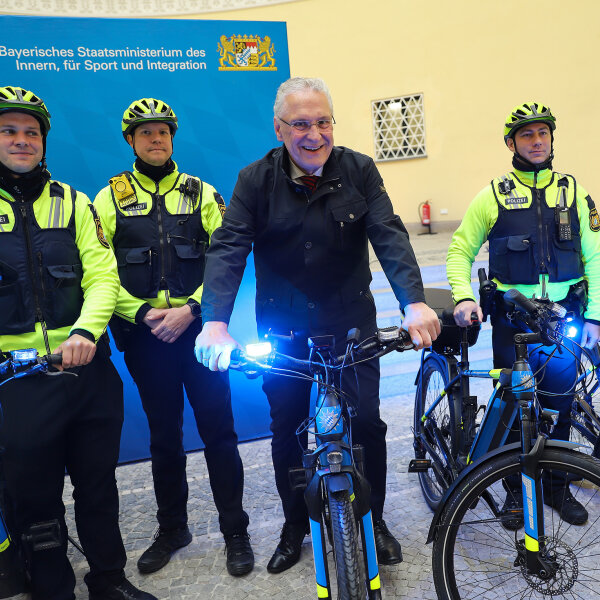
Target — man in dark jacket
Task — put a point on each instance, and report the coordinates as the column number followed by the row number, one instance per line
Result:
column 309, row 208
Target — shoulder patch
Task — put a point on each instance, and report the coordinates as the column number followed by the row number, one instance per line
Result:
column 594, row 218
column 220, row 203
column 99, row 230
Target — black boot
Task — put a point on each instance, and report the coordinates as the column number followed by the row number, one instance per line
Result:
column 122, row 591
column 166, row 541
column 388, row 547
column 240, row 558
column 287, row 553
column 569, row 509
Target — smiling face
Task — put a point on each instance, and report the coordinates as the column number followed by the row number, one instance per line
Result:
column 308, row 149
column 152, row 142
column 533, row 142
column 21, row 142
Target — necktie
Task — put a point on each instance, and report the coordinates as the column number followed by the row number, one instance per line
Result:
column 310, row 181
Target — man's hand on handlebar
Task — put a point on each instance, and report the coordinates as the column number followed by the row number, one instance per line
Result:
column 76, row 351
column 422, row 324
column 463, row 312
column 214, row 345
column 590, row 335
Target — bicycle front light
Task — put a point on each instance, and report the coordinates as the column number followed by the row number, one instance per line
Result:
column 259, row 350
column 571, row 331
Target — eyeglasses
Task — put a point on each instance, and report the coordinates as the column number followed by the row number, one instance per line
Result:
column 303, row 126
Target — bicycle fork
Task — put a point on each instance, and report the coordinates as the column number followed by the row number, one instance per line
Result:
column 532, row 550
column 351, row 481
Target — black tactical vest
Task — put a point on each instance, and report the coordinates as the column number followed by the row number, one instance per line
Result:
column 40, row 268
column 159, row 250
column 524, row 241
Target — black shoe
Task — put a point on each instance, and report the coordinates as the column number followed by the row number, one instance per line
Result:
column 388, row 547
column 166, row 541
column 569, row 509
column 240, row 558
column 287, row 553
column 123, row 591
column 512, row 511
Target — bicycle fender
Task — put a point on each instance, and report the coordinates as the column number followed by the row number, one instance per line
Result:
column 457, row 483
column 340, row 482
column 503, row 449
column 439, row 358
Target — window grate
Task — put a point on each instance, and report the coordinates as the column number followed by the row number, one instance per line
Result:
column 399, row 127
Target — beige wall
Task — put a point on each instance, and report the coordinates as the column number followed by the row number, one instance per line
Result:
column 473, row 60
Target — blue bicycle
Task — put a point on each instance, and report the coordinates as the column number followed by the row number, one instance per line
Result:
column 336, row 491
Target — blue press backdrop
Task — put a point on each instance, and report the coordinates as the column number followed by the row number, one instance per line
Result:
column 225, row 119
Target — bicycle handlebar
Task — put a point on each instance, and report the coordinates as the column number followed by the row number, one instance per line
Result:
column 27, row 362
column 386, row 340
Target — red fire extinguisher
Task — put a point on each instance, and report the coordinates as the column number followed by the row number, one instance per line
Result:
column 425, row 213
column 425, row 217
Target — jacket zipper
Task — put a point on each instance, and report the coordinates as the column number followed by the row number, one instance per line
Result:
column 30, row 262
column 543, row 268
column 163, row 281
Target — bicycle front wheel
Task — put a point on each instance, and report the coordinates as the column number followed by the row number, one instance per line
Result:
column 435, row 438
column 474, row 556
column 345, row 548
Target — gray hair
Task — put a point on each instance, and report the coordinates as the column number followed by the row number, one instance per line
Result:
column 298, row 84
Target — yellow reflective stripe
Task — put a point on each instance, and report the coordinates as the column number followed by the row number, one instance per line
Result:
column 5, row 544
column 352, row 498
column 322, row 592
column 495, row 373
column 375, row 583
column 531, row 544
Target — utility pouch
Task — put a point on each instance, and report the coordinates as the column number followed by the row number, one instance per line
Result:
column 577, row 298
column 123, row 190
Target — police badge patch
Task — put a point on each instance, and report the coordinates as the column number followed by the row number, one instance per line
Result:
column 220, row 203
column 594, row 218
column 99, row 230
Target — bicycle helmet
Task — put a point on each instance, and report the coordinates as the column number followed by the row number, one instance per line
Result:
column 147, row 110
column 16, row 99
column 528, row 112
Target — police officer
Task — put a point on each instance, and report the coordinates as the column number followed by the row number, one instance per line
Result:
column 58, row 288
column 542, row 228
column 308, row 208
column 159, row 222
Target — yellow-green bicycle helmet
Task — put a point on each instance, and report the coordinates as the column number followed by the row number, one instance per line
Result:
column 16, row 99
column 528, row 112
column 147, row 110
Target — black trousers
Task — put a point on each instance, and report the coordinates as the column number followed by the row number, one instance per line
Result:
column 53, row 423
column 161, row 371
column 289, row 399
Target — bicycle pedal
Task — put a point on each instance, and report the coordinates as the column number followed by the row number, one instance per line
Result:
column 297, row 478
column 419, row 465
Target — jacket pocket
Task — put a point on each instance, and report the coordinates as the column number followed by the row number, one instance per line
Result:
column 512, row 260
column 348, row 221
column 63, row 294
column 135, row 270
column 189, row 265
column 12, row 310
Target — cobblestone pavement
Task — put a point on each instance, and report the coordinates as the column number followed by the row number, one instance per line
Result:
column 198, row 571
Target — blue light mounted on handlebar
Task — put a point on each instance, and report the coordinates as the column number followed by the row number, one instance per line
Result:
column 261, row 349
column 571, row 331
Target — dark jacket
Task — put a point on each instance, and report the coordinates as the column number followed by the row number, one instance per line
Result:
column 310, row 250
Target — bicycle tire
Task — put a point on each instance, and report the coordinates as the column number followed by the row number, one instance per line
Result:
column 475, row 557
column 435, row 481
column 584, row 429
column 350, row 584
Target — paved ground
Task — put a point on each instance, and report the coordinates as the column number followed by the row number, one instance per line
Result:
column 198, row 571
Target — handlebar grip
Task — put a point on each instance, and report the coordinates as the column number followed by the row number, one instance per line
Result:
column 237, row 355
column 482, row 275
column 521, row 301
column 53, row 359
